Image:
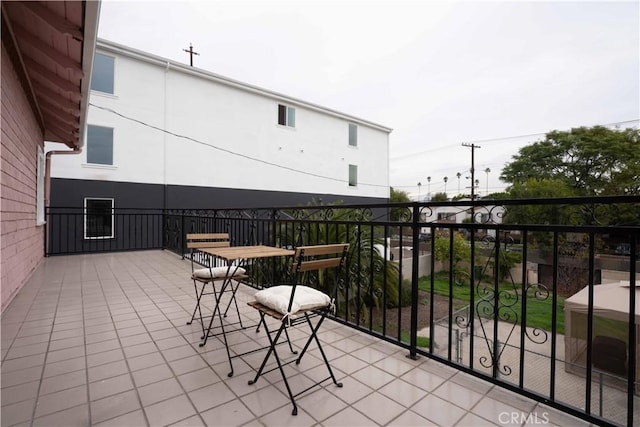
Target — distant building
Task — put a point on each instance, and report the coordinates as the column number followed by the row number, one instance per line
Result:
column 459, row 214
column 166, row 135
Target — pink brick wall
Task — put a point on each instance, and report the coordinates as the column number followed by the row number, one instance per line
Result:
column 21, row 241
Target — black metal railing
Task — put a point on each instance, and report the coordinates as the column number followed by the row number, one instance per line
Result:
column 512, row 291
column 73, row 231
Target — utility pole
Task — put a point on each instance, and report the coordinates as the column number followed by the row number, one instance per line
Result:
column 191, row 52
column 473, row 167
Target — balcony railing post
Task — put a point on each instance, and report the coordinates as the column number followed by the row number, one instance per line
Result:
column 415, row 256
column 163, row 230
column 274, row 232
column 182, row 234
column 631, row 368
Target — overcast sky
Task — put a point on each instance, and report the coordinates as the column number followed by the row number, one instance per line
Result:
column 438, row 73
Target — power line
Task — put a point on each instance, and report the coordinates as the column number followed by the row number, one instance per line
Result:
column 225, row 150
column 430, row 150
column 504, row 138
column 446, row 171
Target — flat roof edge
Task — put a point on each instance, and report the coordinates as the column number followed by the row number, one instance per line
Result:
column 164, row 62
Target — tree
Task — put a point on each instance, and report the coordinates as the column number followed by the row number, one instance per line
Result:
column 590, row 161
column 461, row 248
column 497, row 196
column 539, row 214
column 398, row 196
column 403, row 213
column 439, row 197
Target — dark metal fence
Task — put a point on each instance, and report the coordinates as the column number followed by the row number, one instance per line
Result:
column 73, row 231
column 517, row 292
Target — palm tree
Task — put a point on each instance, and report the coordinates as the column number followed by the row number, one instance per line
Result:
column 371, row 280
column 487, row 170
column 445, row 184
column 458, row 175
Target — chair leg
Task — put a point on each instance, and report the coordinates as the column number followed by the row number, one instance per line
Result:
column 289, row 341
column 285, row 332
column 197, row 308
column 233, row 299
column 272, row 349
column 217, row 310
column 314, row 336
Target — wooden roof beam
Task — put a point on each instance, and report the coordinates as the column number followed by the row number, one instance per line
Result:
column 53, row 123
column 56, row 22
column 60, row 115
column 51, row 106
column 55, row 98
column 42, row 73
column 64, row 135
column 57, row 57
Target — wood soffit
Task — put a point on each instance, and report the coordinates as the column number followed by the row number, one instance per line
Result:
column 48, row 37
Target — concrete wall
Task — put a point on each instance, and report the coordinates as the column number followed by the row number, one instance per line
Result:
column 219, row 118
column 611, row 276
column 22, row 243
column 424, row 263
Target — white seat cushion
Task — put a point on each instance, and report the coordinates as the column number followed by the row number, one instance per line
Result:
column 305, row 298
column 218, row 272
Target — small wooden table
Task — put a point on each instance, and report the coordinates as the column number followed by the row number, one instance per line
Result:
column 232, row 253
column 235, row 257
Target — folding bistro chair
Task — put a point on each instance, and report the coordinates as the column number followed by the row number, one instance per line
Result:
column 204, row 272
column 297, row 304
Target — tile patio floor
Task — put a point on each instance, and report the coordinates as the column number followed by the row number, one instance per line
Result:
column 101, row 340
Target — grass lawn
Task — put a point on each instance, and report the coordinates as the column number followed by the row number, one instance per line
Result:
column 538, row 312
column 421, row 341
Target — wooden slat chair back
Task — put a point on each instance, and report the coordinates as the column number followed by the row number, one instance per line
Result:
column 301, row 306
column 197, row 241
column 207, row 240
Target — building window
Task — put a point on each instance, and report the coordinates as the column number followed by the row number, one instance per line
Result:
column 353, row 175
column 40, row 187
column 99, row 145
column 102, row 73
column 286, row 116
column 98, row 218
column 353, row 135
column 446, row 216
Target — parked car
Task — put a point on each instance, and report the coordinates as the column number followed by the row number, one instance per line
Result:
column 623, row 249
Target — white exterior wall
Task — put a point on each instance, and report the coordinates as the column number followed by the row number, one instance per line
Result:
column 234, row 117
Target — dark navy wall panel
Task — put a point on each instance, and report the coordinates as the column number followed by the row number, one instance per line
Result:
column 71, row 193
column 143, row 229
column 183, row 197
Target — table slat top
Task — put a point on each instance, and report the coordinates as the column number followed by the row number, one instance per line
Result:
column 246, row 252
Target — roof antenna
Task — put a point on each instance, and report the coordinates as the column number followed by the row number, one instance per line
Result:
column 191, row 52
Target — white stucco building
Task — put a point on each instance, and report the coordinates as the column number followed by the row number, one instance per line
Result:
column 164, row 134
